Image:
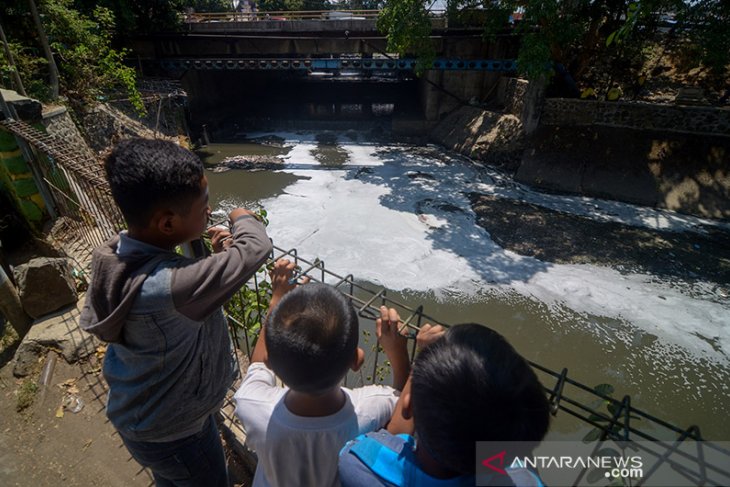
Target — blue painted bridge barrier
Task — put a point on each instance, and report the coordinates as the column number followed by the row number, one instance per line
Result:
column 338, row 64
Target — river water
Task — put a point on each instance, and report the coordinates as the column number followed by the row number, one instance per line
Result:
column 401, row 217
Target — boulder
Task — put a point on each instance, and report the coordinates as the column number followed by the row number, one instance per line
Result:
column 45, row 284
column 59, row 332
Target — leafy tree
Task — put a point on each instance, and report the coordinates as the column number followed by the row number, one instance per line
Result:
column 88, row 65
column 208, row 5
column 407, row 25
column 356, row 4
column 288, row 5
column 569, row 34
column 31, row 66
column 706, row 23
column 140, row 16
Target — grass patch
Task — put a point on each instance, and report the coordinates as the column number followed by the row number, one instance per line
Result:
column 26, row 394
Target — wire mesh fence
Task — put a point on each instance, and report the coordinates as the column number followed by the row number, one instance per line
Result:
column 608, row 418
column 80, row 192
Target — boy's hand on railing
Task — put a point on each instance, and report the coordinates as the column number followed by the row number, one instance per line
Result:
column 281, row 278
column 387, row 329
column 429, row 334
column 220, row 238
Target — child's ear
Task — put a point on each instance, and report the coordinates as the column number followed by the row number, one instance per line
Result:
column 405, row 399
column 166, row 222
column 358, row 360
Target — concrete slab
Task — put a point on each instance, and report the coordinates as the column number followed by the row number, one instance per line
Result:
column 60, row 332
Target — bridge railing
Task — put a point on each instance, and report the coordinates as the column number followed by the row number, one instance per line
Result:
column 281, row 15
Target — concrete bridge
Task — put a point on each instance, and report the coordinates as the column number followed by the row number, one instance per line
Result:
column 225, row 51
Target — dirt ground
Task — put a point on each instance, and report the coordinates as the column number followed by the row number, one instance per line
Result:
column 49, row 442
column 46, row 444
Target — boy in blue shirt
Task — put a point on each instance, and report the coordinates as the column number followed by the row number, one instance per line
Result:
column 169, row 363
column 467, row 385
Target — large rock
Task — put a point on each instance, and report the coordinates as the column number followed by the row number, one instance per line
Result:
column 58, row 332
column 45, row 285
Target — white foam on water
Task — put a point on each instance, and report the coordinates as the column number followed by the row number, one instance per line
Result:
column 403, row 220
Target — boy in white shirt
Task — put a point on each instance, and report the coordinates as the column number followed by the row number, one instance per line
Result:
column 310, row 341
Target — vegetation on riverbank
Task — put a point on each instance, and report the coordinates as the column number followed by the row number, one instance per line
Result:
column 603, row 44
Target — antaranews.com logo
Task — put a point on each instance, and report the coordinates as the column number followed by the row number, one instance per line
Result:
column 575, row 463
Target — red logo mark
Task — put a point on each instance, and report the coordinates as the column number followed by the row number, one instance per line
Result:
column 488, row 463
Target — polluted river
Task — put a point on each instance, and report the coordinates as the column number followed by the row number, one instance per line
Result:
column 631, row 296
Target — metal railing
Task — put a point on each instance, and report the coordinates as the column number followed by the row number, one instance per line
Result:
column 280, row 15
column 76, row 182
column 350, row 63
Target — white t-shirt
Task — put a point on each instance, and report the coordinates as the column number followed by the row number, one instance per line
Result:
column 302, row 451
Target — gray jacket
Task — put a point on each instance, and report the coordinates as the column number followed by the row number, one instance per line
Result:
column 169, row 362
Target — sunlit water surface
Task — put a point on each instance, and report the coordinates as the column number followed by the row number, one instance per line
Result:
column 398, row 216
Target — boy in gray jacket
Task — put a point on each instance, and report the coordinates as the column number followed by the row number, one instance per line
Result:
column 169, row 362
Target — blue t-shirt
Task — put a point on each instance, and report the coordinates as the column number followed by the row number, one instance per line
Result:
column 383, row 459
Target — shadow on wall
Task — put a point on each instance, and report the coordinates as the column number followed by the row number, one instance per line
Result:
column 685, row 173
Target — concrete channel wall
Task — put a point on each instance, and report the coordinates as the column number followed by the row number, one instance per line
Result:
column 637, row 115
column 664, row 156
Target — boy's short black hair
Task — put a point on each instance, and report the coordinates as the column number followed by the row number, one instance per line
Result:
column 471, row 386
column 145, row 174
column 311, row 338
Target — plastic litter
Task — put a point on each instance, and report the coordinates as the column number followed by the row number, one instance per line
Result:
column 73, row 403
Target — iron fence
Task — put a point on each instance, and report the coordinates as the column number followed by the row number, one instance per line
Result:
column 611, row 419
column 76, row 181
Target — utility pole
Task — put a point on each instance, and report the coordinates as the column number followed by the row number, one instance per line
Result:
column 11, row 62
column 47, row 49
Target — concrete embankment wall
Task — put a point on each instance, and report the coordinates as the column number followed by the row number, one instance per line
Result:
column 496, row 138
column 653, row 155
column 688, row 173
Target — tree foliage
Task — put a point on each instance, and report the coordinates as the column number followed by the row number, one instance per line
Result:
column 407, row 26
column 707, row 25
column 573, row 33
column 82, row 45
column 292, row 5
